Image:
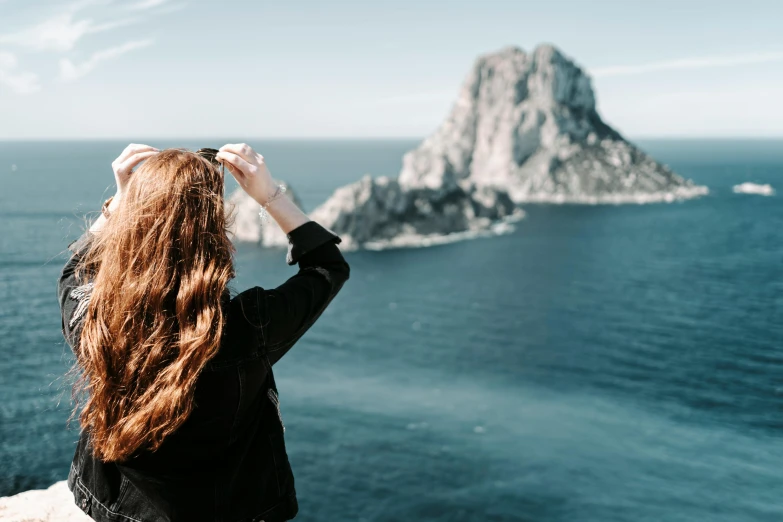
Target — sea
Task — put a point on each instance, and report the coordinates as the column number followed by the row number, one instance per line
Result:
column 597, row 364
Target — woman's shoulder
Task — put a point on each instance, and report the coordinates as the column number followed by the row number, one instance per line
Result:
column 243, row 323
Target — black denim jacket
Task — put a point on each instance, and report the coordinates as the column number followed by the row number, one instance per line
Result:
column 228, row 461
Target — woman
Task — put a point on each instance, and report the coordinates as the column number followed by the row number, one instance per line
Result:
column 180, row 416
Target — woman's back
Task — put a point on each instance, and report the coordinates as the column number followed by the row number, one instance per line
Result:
column 227, row 459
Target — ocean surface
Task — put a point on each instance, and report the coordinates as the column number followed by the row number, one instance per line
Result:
column 600, row 363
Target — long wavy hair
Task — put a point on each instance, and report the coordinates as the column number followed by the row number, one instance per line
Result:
column 161, row 265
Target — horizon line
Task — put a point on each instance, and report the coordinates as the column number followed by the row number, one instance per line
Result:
column 351, row 138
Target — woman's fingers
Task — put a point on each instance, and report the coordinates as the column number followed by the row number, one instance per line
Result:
column 126, row 166
column 241, row 178
column 237, row 162
column 232, row 169
column 243, row 150
column 134, row 148
column 249, row 168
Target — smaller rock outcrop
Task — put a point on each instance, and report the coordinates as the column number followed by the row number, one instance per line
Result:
column 380, row 212
column 754, row 188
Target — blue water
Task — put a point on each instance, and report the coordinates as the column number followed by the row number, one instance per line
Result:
column 608, row 363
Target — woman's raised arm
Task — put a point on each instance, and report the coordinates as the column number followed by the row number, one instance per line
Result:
column 285, row 313
column 250, row 170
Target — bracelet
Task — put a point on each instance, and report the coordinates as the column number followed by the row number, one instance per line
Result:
column 105, row 208
column 264, row 214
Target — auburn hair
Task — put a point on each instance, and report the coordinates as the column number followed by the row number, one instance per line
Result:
column 161, row 265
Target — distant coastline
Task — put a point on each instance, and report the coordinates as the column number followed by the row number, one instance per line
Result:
column 639, row 139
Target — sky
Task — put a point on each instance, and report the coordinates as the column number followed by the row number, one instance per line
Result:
column 141, row 69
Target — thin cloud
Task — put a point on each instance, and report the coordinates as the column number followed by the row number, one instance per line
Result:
column 170, row 8
column 7, row 60
column 80, row 5
column 146, row 4
column 156, row 7
column 19, row 82
column 689, row 64
column 70, row 72
column 60, row 33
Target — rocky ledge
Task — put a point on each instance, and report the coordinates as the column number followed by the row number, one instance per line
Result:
column 54, row 504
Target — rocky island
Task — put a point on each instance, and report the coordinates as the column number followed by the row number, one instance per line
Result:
column 754, row 188
column 524, row 129
column 527, row 123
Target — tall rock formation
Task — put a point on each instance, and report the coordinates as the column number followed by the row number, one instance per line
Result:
column 527, row 123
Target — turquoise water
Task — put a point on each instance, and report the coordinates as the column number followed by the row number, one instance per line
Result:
column 610, row 363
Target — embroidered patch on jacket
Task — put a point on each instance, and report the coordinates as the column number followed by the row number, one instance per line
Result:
column 82, row 294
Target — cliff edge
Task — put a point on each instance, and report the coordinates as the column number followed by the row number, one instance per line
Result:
column 54, row 504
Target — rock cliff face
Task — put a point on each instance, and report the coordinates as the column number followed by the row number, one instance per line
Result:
column 527, row 123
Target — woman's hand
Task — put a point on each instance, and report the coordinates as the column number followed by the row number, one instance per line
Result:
column 249, row 169
column 123, row 167
column 124, row 164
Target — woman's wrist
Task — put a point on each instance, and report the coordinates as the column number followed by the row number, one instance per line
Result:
column 267, row 196
column 114, row 204
column 287, row 215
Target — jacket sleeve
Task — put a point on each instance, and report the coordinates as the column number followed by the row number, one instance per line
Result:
column 288, row 311
column 74, row 295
